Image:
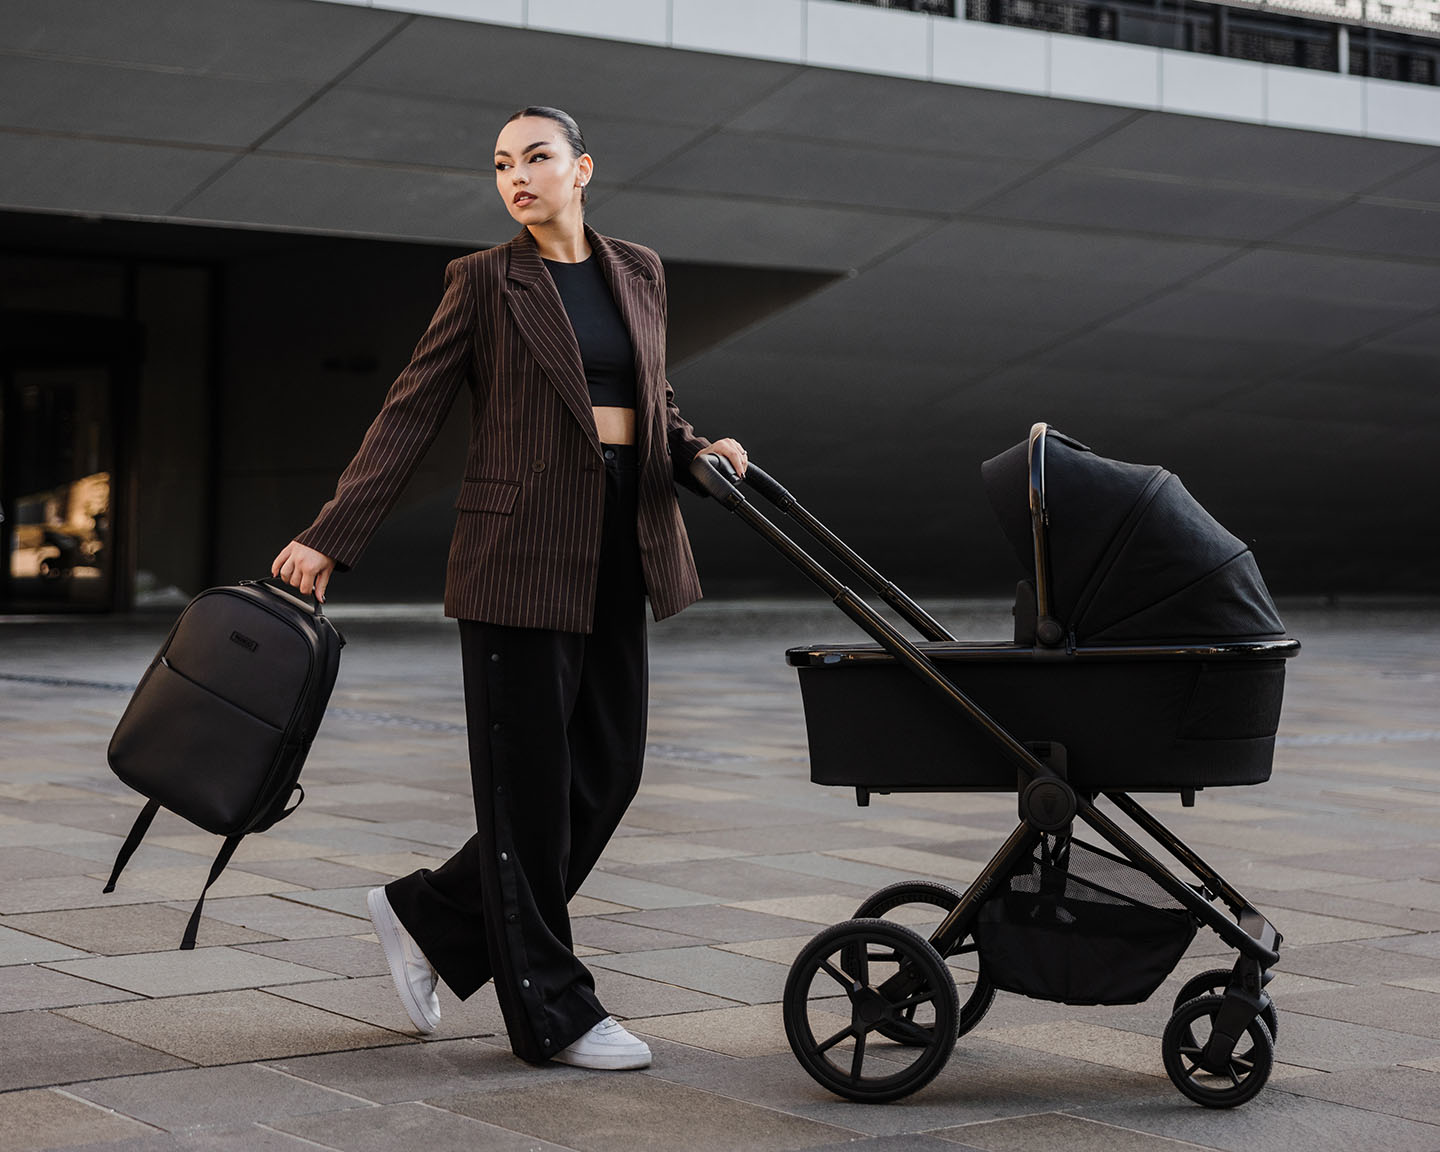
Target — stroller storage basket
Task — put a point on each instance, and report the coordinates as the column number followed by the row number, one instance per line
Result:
column 1081, row 926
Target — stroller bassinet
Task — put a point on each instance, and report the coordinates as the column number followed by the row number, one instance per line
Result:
column 1147, row 656
column 1158, row 662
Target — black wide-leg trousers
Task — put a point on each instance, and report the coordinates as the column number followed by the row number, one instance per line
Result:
column 556, row 726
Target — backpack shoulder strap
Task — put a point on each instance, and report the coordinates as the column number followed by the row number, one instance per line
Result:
column 227, row 850
column 132, row 841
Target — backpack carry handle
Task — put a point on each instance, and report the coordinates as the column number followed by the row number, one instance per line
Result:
column 280, row 588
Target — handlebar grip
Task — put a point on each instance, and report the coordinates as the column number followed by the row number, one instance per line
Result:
column 765, row 484
column 717, row 477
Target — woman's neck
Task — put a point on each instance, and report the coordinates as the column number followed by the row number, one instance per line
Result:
column 561, row 242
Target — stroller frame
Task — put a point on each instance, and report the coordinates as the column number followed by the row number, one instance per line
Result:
column 1234, row 1002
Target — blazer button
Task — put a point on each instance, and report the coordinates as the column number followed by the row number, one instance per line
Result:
column 538, row 466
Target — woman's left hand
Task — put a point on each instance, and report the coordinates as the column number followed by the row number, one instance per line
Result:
column 732, row 451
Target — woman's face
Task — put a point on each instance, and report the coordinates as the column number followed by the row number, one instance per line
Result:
column 536, row 174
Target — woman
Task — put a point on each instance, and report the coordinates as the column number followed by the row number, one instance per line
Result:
column 566, row 520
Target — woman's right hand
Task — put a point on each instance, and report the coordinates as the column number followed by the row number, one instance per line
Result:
column 303, row 568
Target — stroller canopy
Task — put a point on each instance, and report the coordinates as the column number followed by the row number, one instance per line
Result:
column 1134, row 558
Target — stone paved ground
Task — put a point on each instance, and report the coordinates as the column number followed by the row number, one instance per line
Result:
column 282, row 1032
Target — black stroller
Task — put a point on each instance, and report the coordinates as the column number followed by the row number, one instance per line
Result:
column 1147, row 657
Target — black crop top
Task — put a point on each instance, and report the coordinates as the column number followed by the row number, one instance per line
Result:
column 605, row 347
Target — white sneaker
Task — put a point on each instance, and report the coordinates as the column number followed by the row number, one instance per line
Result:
column 415, row 978
column 606, row 1046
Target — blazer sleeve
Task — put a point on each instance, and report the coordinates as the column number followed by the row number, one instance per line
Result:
column 685, row 445
column 397, row 440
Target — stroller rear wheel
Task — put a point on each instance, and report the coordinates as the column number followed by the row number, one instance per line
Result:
column 1183, row 1045
column 851, row 980
column 915, row 901
column 1213, row 982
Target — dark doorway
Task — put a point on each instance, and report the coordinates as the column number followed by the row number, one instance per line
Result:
column 63, row 391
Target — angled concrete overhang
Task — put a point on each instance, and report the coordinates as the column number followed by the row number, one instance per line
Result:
column 1228, row 267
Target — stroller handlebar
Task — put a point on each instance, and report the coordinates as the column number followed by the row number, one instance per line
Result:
column 715, row 474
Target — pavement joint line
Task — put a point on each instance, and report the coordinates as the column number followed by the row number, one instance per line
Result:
column 264, row 1067
column 260, row 1124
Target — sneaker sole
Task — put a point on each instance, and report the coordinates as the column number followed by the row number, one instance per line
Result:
column 382, row 917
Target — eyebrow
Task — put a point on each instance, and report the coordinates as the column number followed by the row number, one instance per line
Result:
column 529, row 148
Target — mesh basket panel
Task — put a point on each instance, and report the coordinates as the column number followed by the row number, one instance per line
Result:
column 1084, row 927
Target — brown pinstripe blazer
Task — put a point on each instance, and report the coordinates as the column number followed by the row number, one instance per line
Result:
column 526, row 547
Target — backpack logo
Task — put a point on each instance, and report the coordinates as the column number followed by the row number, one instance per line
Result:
column 244, row 641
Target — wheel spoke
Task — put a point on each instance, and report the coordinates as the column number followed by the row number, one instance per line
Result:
column 923, row 997
column 839, row 977
column 857, row 1063
column 1234, row 1079
column 826, row 1045
column 1192, row 1052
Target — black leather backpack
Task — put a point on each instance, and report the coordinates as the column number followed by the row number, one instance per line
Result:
column 221, row 722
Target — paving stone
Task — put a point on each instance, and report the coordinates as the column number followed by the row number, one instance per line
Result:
column 929, row 865
column 1279, row 904
column 817, row 910
column 213, row 1097
column 630, row 997
column 658, row 850
column 703, row 969
column 1053, row 1130
column 184, row 973
column 732, row 879
column 188, row 883
column 1275, row 1121
column 779, row 951
column 621, row 1117
column 410, row 1126
column 342, row 955
column 26, row 987
column 32, row 863
column 346, row 901
column 43, row 1118
column 129, row 928
column 584, row 906
column 1409, row 1092
column 717, row 922
column 422, row 1071
column 373, row 999
column 53, row 892
column 231, row 1027
column 44, row 1048
column 441, row 833
column 1374, row 961
column 756, row 1030
column 286, row 919
column 617, row 936
column 319, row 874
column 635, row 893
column 1396, row 1009
column 1098, row 1044
column 252, row 850
column 869, row 877
column 17, row 947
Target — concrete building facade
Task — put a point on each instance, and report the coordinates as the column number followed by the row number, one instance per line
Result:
column 894, row 239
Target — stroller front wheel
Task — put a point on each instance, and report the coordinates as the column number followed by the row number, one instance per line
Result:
column 850, row 981
column 1213, row 983
column 1183, row 1046
column 913, row 901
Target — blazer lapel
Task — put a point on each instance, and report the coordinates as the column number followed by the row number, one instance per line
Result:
column 540, row 315
column 638, row 297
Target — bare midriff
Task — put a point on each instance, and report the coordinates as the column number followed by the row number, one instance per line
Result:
column 615, row 425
